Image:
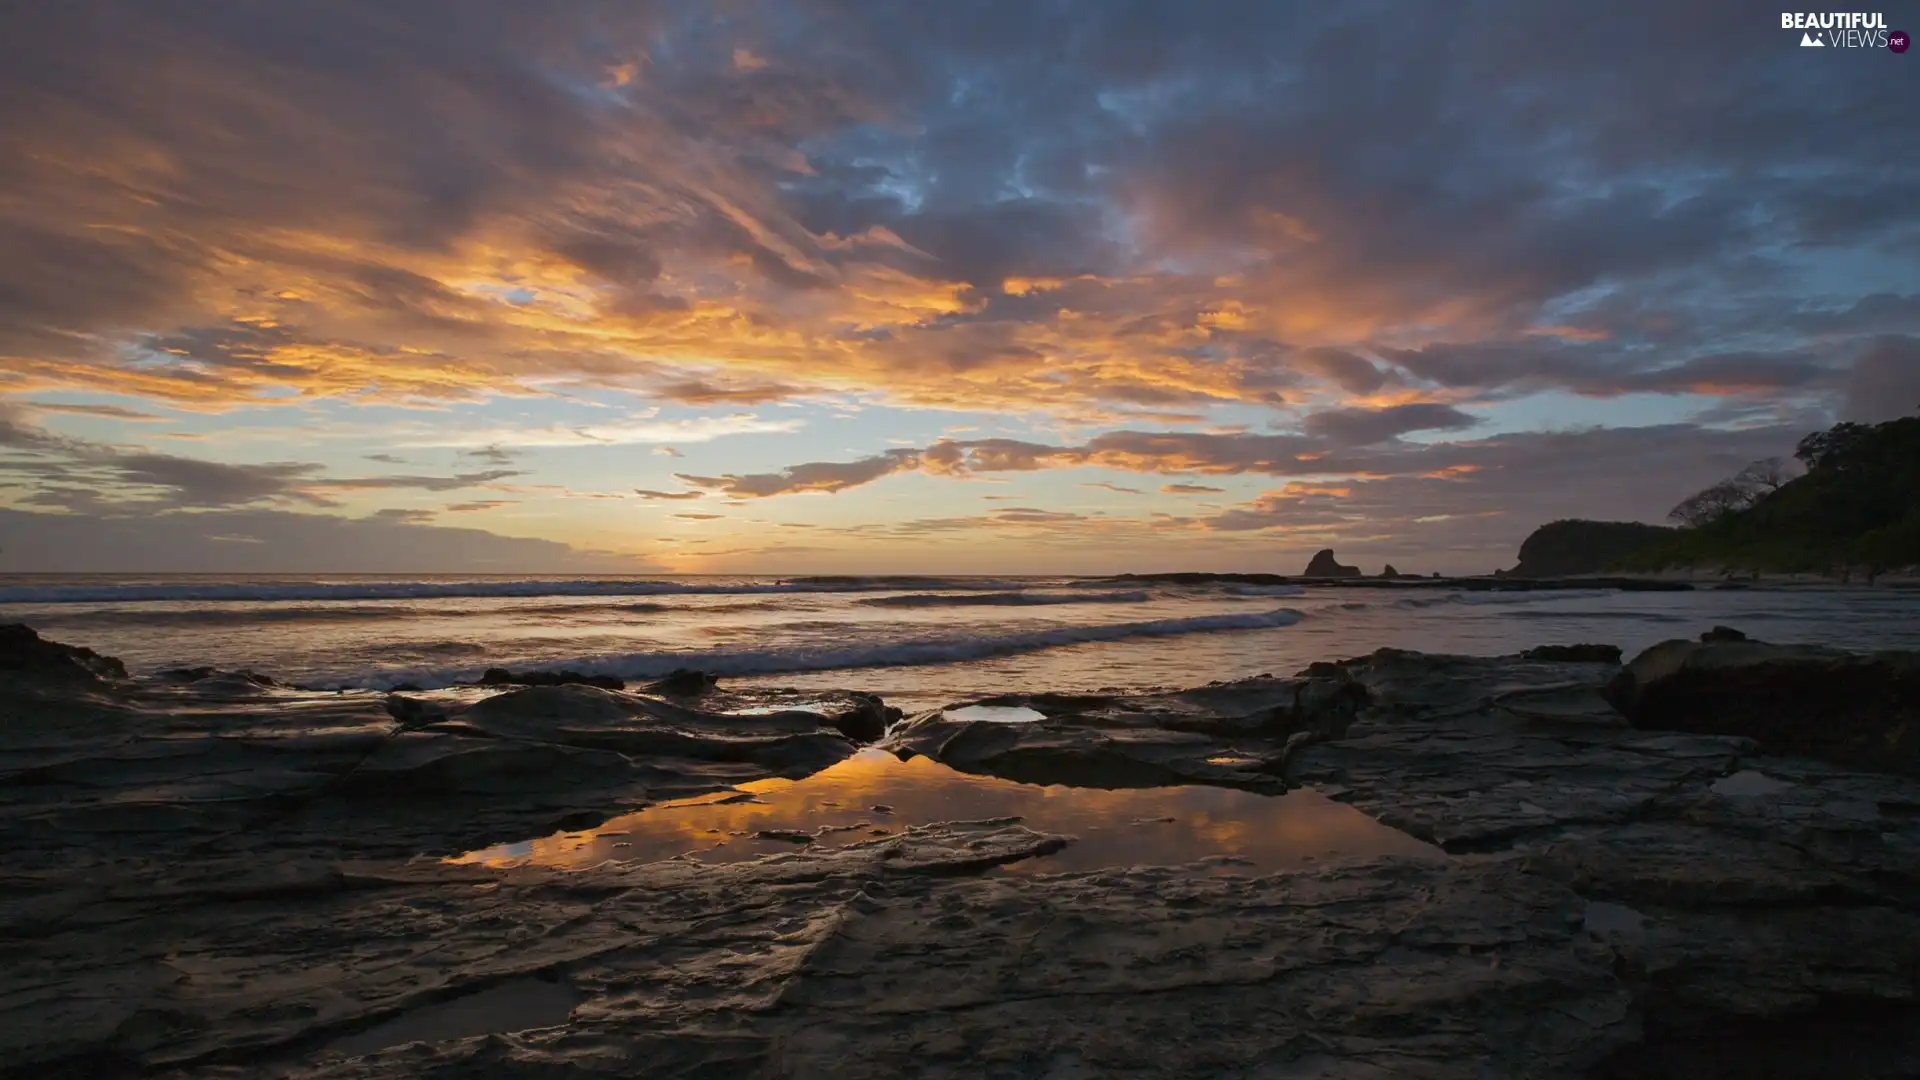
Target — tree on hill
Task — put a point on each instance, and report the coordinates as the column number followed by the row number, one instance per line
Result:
column 1856, row 507
column 1737, row 492
column 1829, row 449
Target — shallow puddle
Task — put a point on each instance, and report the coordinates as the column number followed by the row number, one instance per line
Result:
column 998, row 714
column 1749, row 783
column 515, row 1005
column 874, row 793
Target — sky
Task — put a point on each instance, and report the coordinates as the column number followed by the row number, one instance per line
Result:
column 1048, row 286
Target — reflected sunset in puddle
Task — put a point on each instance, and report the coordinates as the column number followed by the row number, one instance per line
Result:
column 873, row 794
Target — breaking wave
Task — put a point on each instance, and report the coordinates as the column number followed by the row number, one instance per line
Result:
column 416, row 590
column 1265, row 590
column 1000, row 599
column 795, row 658
column 358, row 613
column 1494, row 598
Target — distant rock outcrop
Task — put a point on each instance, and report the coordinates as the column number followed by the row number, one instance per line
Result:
column 1389, row 572
column 1570, row 547
column 1323, row 565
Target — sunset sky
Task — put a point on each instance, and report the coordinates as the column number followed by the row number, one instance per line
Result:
column 811, row 286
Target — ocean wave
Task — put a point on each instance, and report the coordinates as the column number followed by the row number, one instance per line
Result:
column 222, row 616
column 1501, row 597
column 233, row 613
column 1622, row 616
column 1000, row 599
column 419, row 590
column 795, row 658
column 1265, row 590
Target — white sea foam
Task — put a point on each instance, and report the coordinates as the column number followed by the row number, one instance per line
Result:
column 1002, row 599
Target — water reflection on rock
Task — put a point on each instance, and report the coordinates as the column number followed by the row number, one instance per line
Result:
column 998, row 714
column 1230, row 831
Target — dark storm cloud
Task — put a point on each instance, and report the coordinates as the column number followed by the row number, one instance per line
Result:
column 193, row 482
column 422, row 483
column 80, row 472
column 107, row 412
column 1885, row 383
column 492, row 455
column 821, row 476
column 1362, row 427
column 270, row 541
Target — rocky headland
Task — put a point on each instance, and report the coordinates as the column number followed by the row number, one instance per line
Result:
column 1648, row 870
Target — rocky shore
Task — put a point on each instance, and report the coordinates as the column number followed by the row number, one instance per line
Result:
column 1649, row 870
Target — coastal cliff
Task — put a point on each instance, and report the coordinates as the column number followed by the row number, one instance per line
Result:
column 1574, row 546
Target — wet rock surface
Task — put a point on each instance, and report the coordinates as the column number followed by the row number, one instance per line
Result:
column 499, row 676
column 1232, row 735
column 233, row 885
column 1593, row 654
column 1859, row 710
column 25, row 654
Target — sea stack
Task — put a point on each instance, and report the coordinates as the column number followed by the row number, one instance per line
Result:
column 1323, row 565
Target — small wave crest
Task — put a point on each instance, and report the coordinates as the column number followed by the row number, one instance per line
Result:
column 1000, row 599
column 910, row 652
column 1265, row 590
column 234, row 613
column 1497, row 598
column 418, row 590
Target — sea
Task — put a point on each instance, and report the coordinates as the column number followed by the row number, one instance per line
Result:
column 919, row 642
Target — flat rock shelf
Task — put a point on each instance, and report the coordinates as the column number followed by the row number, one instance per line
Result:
column 1400, row 865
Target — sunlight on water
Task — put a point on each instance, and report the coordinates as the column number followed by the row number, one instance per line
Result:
column 874, row 794
column 920, row 645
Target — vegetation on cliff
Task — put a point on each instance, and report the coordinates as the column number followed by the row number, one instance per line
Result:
column 1857, row 507
column 1575, row 546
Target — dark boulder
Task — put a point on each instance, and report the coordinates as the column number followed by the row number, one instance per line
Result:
column 1574, row 654
column 498, row 676
column 1389, row 572
column 867, row 721
column 22, row 651
column 683, row 682
column 1324, row 565
column 1861, row 710
column 1722, row 633
column 413, row 712
column 1323, row 706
